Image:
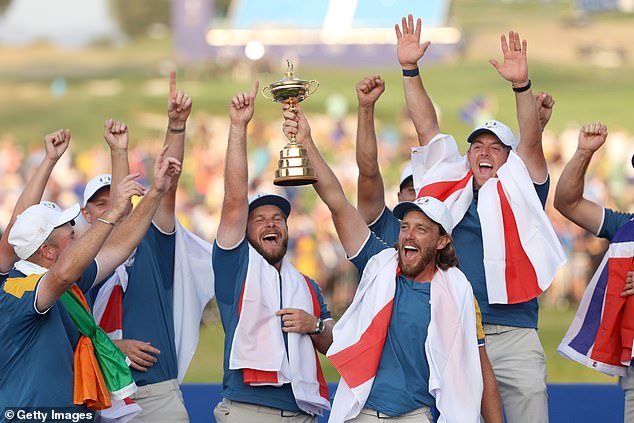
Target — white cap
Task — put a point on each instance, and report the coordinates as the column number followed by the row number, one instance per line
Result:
column 407, row 173
column 35, row 224
column 431, row 207
column 497, row 128
column 265, row 198
column 94, row 185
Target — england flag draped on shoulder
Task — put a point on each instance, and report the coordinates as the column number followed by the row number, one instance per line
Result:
column 451, row 346
column 602, row 334
column 520, row 260
column 258, row 344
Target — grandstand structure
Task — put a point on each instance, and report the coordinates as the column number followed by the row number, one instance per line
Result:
column 327, row 32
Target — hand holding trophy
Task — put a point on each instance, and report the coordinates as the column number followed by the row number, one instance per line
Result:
column 293, row 167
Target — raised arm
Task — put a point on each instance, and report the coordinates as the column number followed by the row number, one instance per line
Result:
column 179, row 107
column 569, row 199
column 130, row 232
column 370, row 189
column 116, row 135
column 77, row 256
column 235, row 204
column 350, row 226
column 55, row 145
column 409, row 51
column 515, row 70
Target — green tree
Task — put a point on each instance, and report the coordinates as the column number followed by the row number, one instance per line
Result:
column 136, row 16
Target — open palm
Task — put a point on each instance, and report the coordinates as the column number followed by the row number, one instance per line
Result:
column 515, row 66
column 408, row 47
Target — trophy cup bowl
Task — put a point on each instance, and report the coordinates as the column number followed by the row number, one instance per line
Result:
column 293, row 166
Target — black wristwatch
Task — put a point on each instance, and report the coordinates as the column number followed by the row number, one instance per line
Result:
column 319, row 327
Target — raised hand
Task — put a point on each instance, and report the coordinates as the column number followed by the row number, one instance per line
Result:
column 409, row 50
column 242, row 106
column 369, row 90
column 126, row 189
column 179, row 106
column 592, row 136
column 295, row 123
column 515, row 66
column 56, row 143
column 116, row 134
column 545, row 104
column 166, row 171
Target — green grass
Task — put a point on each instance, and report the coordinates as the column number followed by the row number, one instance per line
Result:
column 582, row 93
column 206, row 366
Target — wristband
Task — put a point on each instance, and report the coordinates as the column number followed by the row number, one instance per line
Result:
column 524, row 88
column 99, row 219
column 175, row 130
column 411, row 72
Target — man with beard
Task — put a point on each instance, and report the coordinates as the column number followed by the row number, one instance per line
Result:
column 496, row 194
column 408, row 341
column 608, row 292
column 383, row 223
column 274, row 317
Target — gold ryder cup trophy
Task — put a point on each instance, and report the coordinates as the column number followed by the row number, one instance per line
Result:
column 293, row 167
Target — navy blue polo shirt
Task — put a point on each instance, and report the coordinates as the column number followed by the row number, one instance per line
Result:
column 36, row 358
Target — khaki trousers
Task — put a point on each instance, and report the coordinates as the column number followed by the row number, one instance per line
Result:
column 228, row 411
column 627, row 384
column 422, row 415
column 161, row 403
column 519, row 364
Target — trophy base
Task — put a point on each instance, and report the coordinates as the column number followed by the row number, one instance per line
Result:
column 294, row 181
column 294, row 176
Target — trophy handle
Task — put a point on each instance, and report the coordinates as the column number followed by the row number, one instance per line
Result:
column 311, row 87
column 266, row 92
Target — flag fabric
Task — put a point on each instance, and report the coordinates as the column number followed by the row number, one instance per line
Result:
column 258, row 344
column 193, row 289
column 451, row 346
column 520, row 260
column 101, row 371
column 122, row 411
column 601, row 335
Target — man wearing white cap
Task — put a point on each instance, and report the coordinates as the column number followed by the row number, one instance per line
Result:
column 496, row 194
column 150, row 305
column 386, row 226
column 275, row 319
column 38, row 335
column 408, row 341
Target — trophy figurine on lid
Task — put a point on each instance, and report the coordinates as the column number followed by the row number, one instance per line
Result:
column 293, row 167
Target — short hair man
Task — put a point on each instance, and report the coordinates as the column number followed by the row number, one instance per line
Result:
column 509, row 314
column 395, row 336
column 618, row 228
column 273, row 316
column 39, row 336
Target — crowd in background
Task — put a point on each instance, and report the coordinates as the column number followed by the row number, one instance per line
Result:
column 314, row 247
